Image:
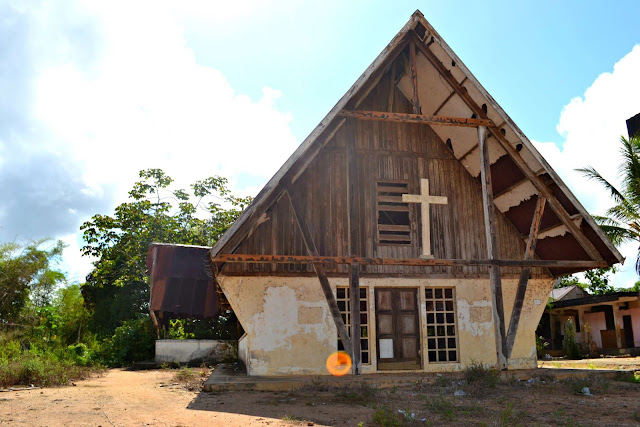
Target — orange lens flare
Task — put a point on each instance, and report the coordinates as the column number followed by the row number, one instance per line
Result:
column 339, row 363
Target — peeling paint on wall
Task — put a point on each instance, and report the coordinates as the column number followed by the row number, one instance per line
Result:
column 289, row 330
column 475, row 317
column 515, row 196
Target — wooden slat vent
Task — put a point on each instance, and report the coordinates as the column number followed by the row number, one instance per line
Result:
column 394, row 224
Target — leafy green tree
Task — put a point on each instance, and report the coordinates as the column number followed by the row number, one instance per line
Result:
column 117, row 288
column 598, row 279
column 622, row 221
column 28, row 276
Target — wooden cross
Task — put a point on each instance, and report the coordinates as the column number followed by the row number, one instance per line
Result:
column 425, row 200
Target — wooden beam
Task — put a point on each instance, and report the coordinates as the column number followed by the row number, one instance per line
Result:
column 414, row 79
column 352, row 191
column 524, row 275
column 392, row 88
column 492, row 247
column 555, row 205
column 307, row 237
column 413, row 262
column 354, row 302
column 385, row 116
column 451, row 95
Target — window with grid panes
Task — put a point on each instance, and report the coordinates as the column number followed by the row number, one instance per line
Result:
column 442, row 334
column 344, row 304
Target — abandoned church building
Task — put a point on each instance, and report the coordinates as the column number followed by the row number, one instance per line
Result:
column 416, row 228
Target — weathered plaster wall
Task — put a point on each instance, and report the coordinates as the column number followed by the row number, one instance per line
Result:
column 290, row 330
column 243, row 350
column 598, row 323
column 184, row 351
column 287, row 322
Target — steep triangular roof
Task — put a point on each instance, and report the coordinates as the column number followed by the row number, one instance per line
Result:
column 518, row 170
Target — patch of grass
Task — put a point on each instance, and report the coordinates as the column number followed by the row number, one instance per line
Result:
column 289, row 417
column 41, row 371
column 443, row 407
column 636, row 416
column 477, row 374
column 443, row 380
column 509, row 417
column 576, row 385
column 360, row 394
column 386, row 417
column 190, row 378
column 629, row 377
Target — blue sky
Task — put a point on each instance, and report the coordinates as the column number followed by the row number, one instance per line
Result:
column 95, row 92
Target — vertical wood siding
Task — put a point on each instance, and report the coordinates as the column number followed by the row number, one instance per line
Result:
column 384, row 151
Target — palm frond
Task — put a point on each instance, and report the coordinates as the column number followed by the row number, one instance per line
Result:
column 590, row 173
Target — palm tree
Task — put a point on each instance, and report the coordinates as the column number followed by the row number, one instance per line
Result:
column 622, row 222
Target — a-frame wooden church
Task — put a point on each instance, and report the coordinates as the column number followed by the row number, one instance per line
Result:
column 417, row 228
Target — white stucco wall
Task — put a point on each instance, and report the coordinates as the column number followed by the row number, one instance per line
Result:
column 290, row 330
column 185, row 351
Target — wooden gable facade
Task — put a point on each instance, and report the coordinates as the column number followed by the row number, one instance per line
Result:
column 342, row 211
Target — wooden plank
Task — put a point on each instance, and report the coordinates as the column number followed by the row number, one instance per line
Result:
column 492, row 247
column 320, row 272
column 352, row 190
column 385, row 116
column 414, row 78
column 524, row 167
column 393, row 227
column 392, row 88
column 524, row 275
column 395, row 208
column 354, row 301
column 416, row 262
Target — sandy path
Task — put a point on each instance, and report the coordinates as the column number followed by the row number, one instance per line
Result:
column 118, row 398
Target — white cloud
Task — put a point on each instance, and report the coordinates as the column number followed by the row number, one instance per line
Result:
column 591, row 126
column 133, row 97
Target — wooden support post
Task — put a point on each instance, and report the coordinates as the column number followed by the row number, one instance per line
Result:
column 414, row 78
column 492, row 248
column 616, row 322
column 354, row 301
column 321, row 273
column 524, row 276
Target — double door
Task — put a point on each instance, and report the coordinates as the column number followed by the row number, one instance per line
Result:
column 397, row 328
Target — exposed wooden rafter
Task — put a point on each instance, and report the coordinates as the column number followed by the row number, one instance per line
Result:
column 415, row 262
column 515, row 155
column 451, row 95
column 415, row 101
column 307, row 237
column 414, row 118
column 524, row 275
column 492, row 247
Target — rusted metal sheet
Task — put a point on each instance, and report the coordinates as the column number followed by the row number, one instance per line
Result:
column 180, row 284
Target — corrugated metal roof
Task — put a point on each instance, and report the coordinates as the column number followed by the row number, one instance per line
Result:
column 180, row 284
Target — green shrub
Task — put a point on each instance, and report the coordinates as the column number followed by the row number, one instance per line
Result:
column 478, row 374
column 569, row 343
column 41, row 371
column 386, row 417
column 134, row 341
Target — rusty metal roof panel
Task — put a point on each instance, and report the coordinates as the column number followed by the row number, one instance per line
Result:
column 180, row 285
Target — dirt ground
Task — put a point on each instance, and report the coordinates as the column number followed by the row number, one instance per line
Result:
column 131, row 398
